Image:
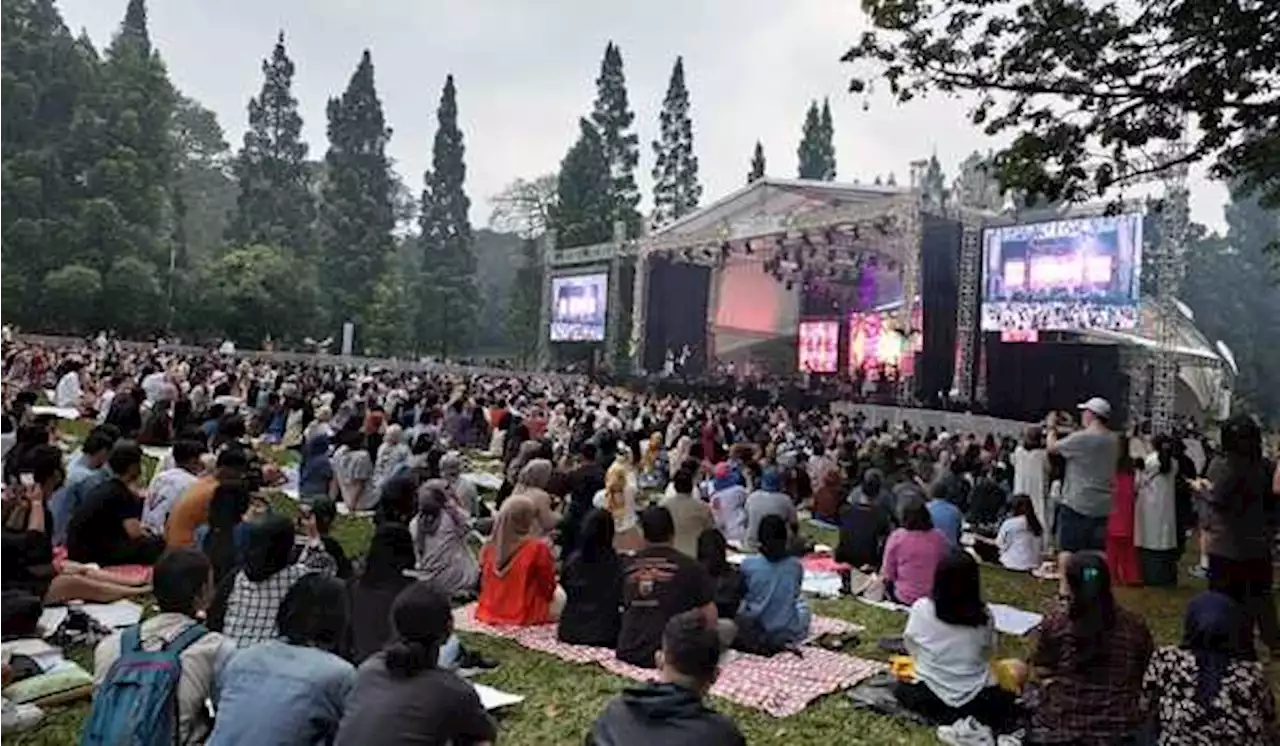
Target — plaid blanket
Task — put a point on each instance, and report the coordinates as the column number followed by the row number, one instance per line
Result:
column 782, row 685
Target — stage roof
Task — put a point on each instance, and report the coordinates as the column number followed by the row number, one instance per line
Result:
column 764, row 204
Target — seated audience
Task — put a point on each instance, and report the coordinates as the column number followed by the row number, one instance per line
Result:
column 672, row 712
column 729, row 503
column 353, row 471
column 768, row 500
column 85, row 471
column 944, row 515
column 370, row 596
column 531, row 483
column 828, row 499
column 865, row 525
column 191, row 510
column 1212, row 686
column 315, row 473
column 951, row 638
column 1019, row 543
column 517, row 571
column 225, row 537
column 403, row 695
column 912, row 554
column 391, row 454
column 107, row 528
column 772, row 603
column 290, row 688
column 592, row 582
column 28, row 547
column 440, row 531
column 727, row 585
column 399, row 500
column 658, row 583
column 248, row 599
column 584, row 481
column 618, row 499
column 318, row 521
column 182, row 582
column 168, row 485
column 1089, row 660
column 463, row 491
column 691, row 515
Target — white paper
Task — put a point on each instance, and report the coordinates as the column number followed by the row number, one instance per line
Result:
column 1014, row 621
column 494, row 699
column 824, row 584
column 115, row 615
column 51, row 618
column 483, row 480
column 62, row 413
column 1008, row 620
column 45, row 655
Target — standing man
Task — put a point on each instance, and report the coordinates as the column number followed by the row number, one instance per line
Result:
column 1091, row 455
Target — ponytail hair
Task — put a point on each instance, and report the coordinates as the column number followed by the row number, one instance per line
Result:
column 423, row 621
column 1092, row 608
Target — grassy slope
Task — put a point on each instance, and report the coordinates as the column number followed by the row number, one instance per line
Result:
column 563, row 698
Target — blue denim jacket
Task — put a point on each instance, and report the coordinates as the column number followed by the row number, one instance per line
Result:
column 277, row 694
column 81, row 478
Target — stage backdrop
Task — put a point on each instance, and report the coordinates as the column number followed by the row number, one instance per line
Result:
column 676, row 314
column 1027, row 380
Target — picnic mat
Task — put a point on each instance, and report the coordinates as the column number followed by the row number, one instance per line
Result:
column 128, row 574
column 782, row 685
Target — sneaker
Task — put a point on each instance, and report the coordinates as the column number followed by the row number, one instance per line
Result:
column 471, row 663
column 1199, row 572
column 1010, row 739
column 17, row 718
column 966, row 732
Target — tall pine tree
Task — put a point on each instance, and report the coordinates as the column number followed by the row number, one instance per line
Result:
column 613, row 118
column 812, row 154
column 525, row 301
column 827, row 143
column 582, row 212
column 450, row 299
column 135, row 156
column 757, row 164
column 357, row 214
column 676, row 191
column 275, row 205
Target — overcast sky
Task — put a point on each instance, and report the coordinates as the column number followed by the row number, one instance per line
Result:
column 526, row 69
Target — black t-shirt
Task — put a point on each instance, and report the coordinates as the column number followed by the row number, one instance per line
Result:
column 434, row 708
column 657, row 584
column 96, row 530
column 594, row 590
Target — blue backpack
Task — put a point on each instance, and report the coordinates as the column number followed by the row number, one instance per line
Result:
column 137, row 703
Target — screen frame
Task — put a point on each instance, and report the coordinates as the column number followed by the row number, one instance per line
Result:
column 577, row 272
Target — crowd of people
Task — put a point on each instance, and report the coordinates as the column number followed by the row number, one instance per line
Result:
column 281, row 637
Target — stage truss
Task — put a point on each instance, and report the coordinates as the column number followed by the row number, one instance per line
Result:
column 1152, row 374
column 889, row 225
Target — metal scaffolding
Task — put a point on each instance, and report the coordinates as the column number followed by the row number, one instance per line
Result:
column 967, row 335
column 1170, row 267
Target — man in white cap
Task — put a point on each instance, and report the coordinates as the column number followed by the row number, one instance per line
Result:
column 1091, row 456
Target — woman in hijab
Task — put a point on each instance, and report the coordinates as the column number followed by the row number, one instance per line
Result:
column 462, row 490
column 1211, row 689
column 531, row 484
column 517, row 572
column 316, row 473
column 369, row 597
column 392, row 453
column 524, row 454
column 592, row 581
column 440, row 532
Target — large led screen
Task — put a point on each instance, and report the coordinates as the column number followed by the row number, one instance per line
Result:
column 1064, row 275
column 819, row 346
column 578, row 307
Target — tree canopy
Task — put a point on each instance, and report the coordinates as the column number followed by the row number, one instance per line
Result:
column 676, row 190
column 1093, row 94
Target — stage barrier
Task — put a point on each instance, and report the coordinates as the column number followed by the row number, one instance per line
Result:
column 923, row 419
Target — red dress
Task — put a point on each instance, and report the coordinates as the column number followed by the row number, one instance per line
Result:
column 522, row 595
column 1122, row 557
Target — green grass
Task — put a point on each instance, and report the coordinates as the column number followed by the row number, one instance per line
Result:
column 564, row 698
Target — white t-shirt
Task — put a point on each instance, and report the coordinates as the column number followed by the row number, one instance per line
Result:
column 68, row 393
column 627, row 518
column 953, row 661
column 1019, row 548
